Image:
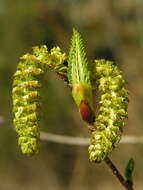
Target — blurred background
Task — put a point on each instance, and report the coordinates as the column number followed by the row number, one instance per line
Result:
column 112, row 30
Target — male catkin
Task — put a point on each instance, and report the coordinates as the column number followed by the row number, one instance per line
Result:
column 26, row 93
column 83, row 78
column 112, row 110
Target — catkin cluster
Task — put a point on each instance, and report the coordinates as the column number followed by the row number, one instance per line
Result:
column 112, row 110
column 26, row 94
column 82, row 77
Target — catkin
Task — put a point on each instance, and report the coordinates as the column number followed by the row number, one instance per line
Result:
column 80, row 75
column 112, row 110
column 26, row 94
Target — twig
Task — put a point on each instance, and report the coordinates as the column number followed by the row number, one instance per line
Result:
column 64, row 139
column 116, row 172
column 79, row 141
column 82, row 141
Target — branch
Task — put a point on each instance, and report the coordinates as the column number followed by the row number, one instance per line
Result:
column 116, row 172
column 82, row 141
column 78, row 141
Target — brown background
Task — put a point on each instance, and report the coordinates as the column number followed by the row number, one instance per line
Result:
column 112, row 30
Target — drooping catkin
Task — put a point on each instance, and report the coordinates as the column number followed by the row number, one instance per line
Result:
column 26, row 93
column 80, row 76
column 112, row 110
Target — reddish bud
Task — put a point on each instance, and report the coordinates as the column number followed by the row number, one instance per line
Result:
column 86, row 112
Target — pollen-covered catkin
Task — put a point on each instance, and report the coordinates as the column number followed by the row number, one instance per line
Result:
column 26, row 94
column 112, row 110
column 26, row 103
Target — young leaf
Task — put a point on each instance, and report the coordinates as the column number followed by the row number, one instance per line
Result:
column 129, row 171
column 79, row 76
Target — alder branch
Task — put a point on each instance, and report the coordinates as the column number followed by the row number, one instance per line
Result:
column 85, row 142
column 79, row 141
column 82, row 141
column 118, row 175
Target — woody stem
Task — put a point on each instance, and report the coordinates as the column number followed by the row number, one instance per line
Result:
column 118, row 175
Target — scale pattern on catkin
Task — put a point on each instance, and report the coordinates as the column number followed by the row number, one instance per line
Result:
column 26, row 94
column 112, row 110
